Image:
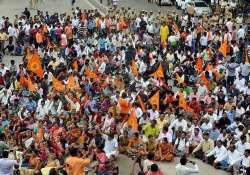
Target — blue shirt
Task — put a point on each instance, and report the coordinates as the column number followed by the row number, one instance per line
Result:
column 31, row 106
column 214, row 134
column 102, row 43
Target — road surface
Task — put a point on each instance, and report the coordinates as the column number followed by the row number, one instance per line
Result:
column 11, row 7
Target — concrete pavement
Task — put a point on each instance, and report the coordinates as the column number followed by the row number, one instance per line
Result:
column 12, row 7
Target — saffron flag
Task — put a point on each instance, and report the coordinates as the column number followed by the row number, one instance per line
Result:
column 90, row 74
column 22, row 80
column 183, row 103
column 224, row 48
column 158, row 73
column 31, row 86
column 75, row 65
column 155, row 100
column 134, row 68
column 72, row 83
column 124, row 106
column 198, row 65
column 58, row 85
column 205, row 80
column 132, row 121
column 34, row 65
column 141, row 103
column 179, row 79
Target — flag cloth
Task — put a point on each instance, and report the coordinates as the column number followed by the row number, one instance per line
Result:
column 34, row 65
column 31, row 86
column 75, row 65
column 179, row 79
column 58, row 85
column 22, row 80
column 134, row 68
column 199, row 64
column 124, row 106
column 158, row 73
column 141, row 103
column 224, row 48
column 183, row 103
column 90, row 74
column 205, row 80
column 72, row 84
column 155, row 100
column 132, row 120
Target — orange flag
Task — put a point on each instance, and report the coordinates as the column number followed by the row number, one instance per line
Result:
column 141, row 103
column 58, row 85
column 158, row 73
column 75, row 65
column 155, row 100
column 205, row 80
column 34, row 65
column 224, row 48
column 22, row 80
column 72, row 84
column 132, row 120
column 134, row 68
column 90, row 74
column 31, row 86
column 124, row 105
column 199, row 65
column 183, row 103
column 179, row 79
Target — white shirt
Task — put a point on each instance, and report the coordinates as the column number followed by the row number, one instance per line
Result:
column 241, row 33
column 233, row 157
column 242, row 147
column 218, row 153
column 239, row 83
column 138, row 112
column 184, row 170
column 110, row 145
column 153, row 114
column 177, row 124
column 7, row 166
column 168, row 135
column 182, row 144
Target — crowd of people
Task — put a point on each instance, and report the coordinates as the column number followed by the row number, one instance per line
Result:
column 151, row 86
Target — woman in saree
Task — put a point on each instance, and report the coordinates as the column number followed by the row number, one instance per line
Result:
column 165, row 151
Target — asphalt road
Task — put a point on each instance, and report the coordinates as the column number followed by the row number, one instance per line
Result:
column 12, row 7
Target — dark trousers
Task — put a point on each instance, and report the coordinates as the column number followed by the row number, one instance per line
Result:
column 230, row 80
column 199, row 155
column 210, row 160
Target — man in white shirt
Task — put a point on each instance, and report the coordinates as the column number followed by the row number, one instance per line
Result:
column 182, row 169
column 241, row 33
column 217, row 154
column 153, row 113
column 7, row 165
column 239, row 82
column 242, row 144
column 178, row 123
column 111, row 146
column 231, row 160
